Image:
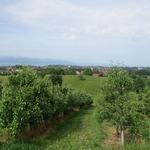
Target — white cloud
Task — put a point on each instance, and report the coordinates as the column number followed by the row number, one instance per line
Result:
column 70, row 21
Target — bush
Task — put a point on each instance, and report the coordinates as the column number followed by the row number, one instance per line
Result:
column 1, row 87
column 66, row 99
column 20, row 105
column 88, row 71
column 139, row 84
column 56, row 79
column 79, row 99
column 146, row 99
column 29, row 100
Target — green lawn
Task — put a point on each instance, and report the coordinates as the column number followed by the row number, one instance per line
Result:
column 91, row 85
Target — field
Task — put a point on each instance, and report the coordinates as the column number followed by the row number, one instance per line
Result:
column 91, row 85
column 77, row 131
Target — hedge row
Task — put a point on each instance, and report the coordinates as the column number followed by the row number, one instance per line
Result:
column 28, row 100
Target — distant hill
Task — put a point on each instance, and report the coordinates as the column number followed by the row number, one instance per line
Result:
column 9, row 61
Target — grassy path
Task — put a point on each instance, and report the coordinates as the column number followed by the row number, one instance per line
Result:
column 80, row 131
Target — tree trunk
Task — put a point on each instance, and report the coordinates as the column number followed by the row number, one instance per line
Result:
column 118, row 130
column 122, row 137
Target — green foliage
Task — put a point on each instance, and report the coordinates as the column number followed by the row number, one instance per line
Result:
column 56, row 79
column 88, row 71
column 20, row 106
column 136, row 121
column 28, row 100
column 51, row 71
column 139, row 84
column 70, row 71
column 146, row 99
column 80, row 130
column 57, row 71
column 79, row 98
column 1, row 87
column 143, row 72
column 119, row 105
column 66, row 99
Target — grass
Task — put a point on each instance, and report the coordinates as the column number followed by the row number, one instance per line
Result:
column 79, row 132
column 91, row 85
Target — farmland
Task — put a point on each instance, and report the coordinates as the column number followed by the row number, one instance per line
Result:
column 78, row 130
column 91, row 85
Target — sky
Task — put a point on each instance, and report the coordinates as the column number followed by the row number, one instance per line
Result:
column 91, row 31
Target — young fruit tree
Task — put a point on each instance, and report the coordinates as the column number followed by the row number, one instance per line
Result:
column 119, row 105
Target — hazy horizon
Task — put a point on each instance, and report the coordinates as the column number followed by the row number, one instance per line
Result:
column 78, row 31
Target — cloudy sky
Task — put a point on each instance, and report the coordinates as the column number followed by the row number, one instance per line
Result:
column 93, row 31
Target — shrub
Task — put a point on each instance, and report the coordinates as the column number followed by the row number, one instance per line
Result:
column 88, row 71
column 29, row 100
column 146, row 99
column 79, row 99
column 1, row 87
column 20, row 106
column 56, row 79
column 139, row 84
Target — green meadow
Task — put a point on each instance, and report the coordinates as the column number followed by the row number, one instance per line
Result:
column 91, row 85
